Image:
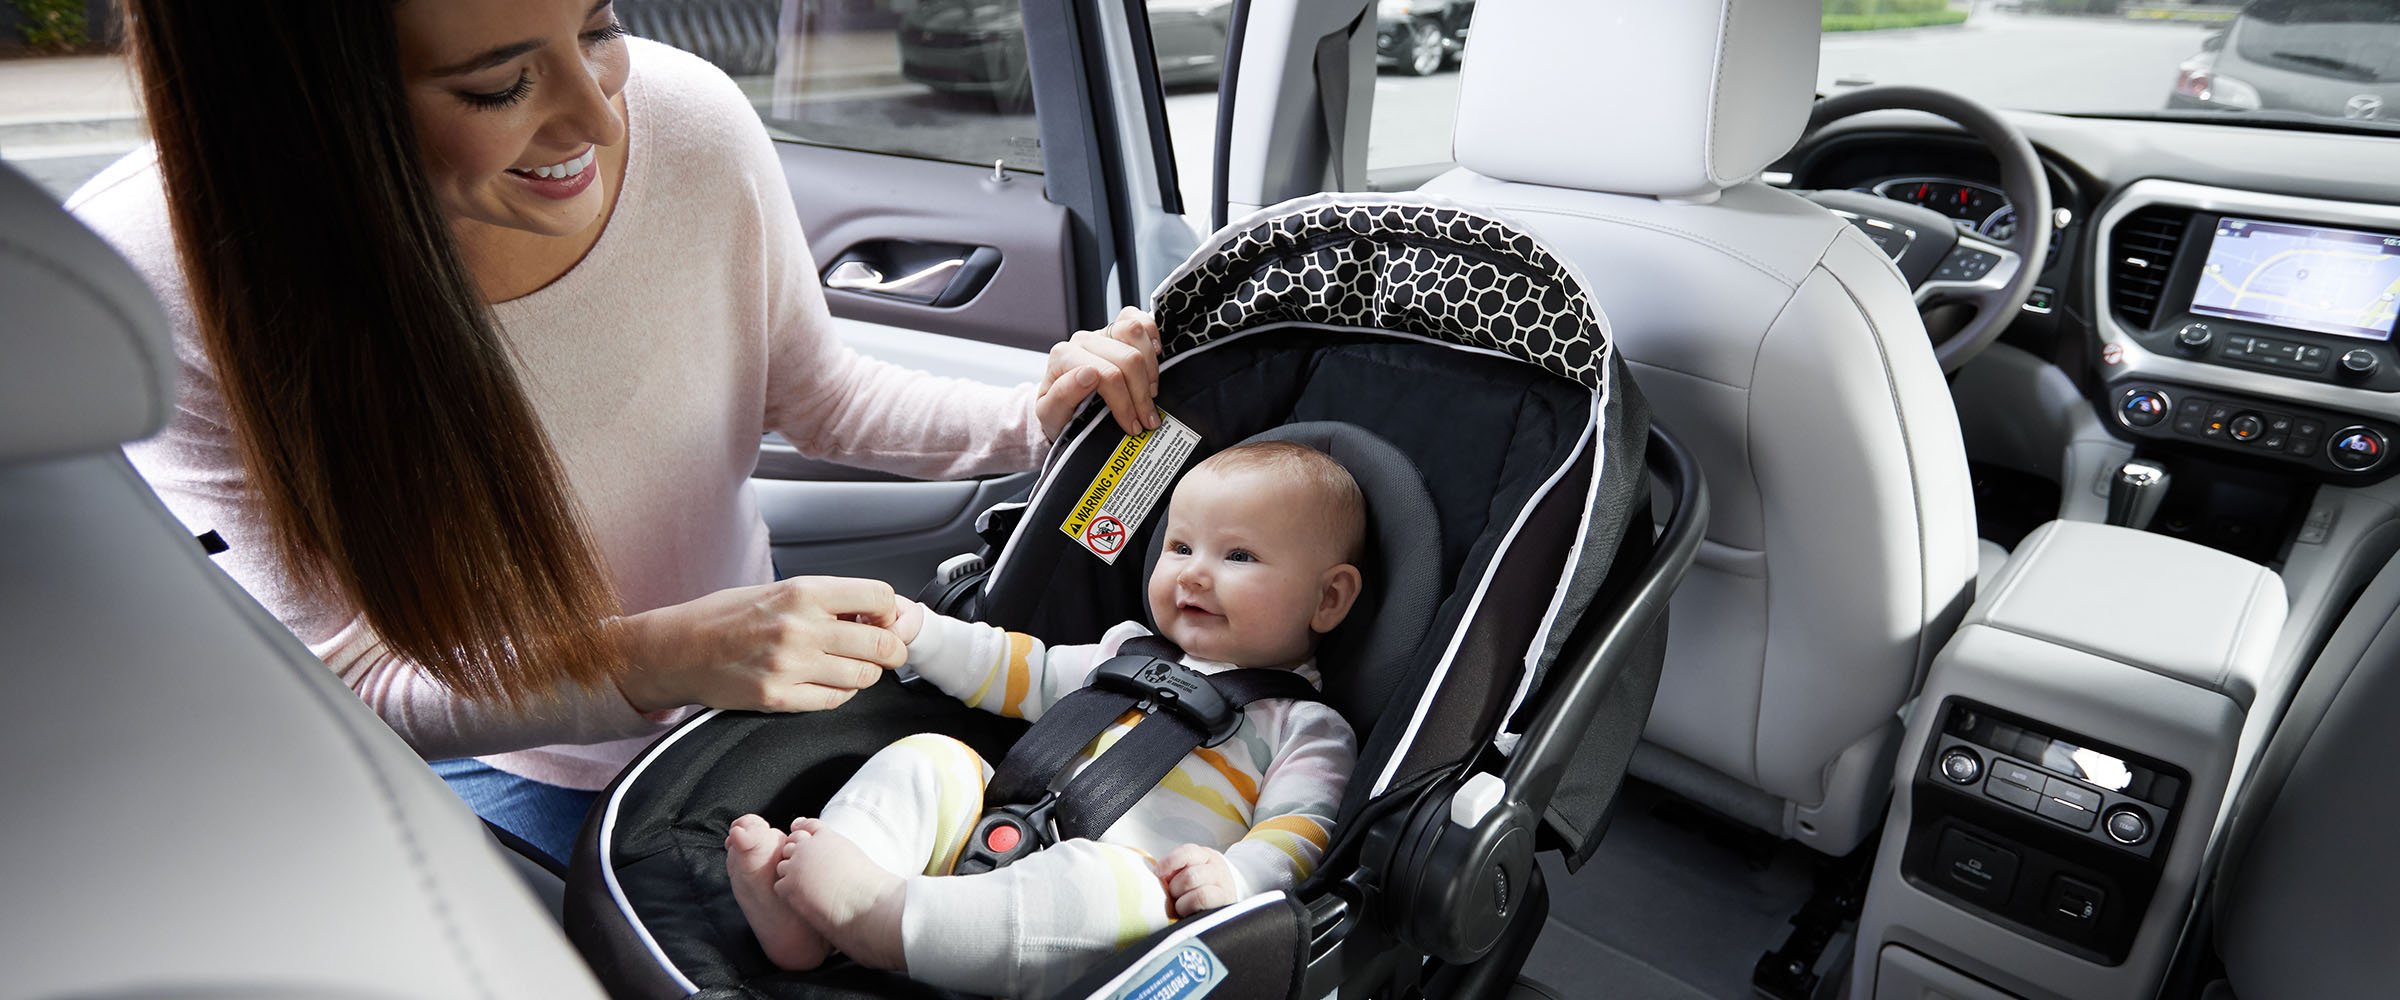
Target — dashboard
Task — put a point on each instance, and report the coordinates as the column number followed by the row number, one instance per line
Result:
column 2229, row 292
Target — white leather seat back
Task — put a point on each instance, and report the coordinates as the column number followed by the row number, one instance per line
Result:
column 194, row 805
column 1781, row 346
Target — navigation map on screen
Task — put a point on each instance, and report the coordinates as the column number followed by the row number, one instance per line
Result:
column 2336, row 281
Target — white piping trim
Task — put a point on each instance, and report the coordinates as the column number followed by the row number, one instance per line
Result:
column 1441, row 671
column 1595, row 433
column 1217, row 241
column 1189, row 930
column 608, row 831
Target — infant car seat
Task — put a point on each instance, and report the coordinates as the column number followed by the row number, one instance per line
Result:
column 1497, row 669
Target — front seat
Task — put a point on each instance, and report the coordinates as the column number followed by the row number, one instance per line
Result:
column 1782, row 347
column 2303, row 902
column 195, row 806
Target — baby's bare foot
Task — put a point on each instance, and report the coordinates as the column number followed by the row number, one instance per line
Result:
column 752, row 849
column 849, row 899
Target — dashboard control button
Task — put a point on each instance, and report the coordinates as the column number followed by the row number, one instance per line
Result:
column 2142, row 407
column 2012, row 793
column 2279, row 424
column 2127, row 825
column 2219, row 413
column 2359, row 362
column 2072, row 794
column 2246, row 427
column 2307, row 428
column 2303, row 445
column 2194, row 338
column 1960, row 764
column 2066, row 814
column 2004, row 769
column 2356, row 449
column 2192, row 406
column 2274, row 442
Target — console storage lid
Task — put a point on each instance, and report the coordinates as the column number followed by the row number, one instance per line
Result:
column 2186, row 611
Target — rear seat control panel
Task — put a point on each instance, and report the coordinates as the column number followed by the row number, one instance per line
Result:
column 2044, row 831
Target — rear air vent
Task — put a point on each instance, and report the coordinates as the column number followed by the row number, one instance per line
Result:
column 2141, row 250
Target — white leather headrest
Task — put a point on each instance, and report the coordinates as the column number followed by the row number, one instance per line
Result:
column 1665, row 98
column 85, row 356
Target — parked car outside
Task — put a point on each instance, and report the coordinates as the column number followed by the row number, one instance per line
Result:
column 976, row 48
column 1420, row 37
column 2331, row 58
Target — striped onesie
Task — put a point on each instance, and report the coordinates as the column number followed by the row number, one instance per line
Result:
column 1265, row 798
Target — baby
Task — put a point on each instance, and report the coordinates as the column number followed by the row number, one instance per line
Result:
column 1258, row 560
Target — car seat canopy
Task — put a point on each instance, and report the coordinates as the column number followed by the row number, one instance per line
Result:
column 1404, row 264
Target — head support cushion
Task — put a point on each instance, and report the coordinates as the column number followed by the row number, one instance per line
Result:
column 1402, row 567
column 89, row 365
column 1676, row 99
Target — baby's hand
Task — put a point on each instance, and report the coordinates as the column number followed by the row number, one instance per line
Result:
column 908, row 619
column 1197, row 879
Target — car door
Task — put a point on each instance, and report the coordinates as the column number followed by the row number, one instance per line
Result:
column 977, row 180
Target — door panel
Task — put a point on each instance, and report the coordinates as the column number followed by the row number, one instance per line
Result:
column 855, row 204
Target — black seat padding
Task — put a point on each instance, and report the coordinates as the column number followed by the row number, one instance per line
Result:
column 2308, row 902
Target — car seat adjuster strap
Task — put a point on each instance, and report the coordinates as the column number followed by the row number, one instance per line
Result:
column 1036, row 797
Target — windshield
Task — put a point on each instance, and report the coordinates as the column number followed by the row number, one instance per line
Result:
column 2276, row 61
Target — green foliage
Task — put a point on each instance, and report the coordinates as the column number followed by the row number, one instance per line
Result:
column 53, row 25
column 1871, row 8
column 1878, row 22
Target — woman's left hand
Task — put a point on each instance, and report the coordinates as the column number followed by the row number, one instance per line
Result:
column 1120, row 363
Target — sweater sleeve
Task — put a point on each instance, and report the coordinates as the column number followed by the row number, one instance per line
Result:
column 1297, row 800
column 1005, row 673
column 834, row 403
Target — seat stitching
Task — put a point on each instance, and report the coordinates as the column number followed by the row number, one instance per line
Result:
column 249, row 617
column 1716, row 91
column 1763, row 267
column 1908, row 451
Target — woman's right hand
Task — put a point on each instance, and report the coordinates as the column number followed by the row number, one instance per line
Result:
column 798, row 645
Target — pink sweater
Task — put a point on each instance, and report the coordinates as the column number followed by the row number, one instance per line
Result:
column 695, row 325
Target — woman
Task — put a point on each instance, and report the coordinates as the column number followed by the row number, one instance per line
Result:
column 482, row 309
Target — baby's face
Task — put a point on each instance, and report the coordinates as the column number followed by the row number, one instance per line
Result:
column 1242, row 577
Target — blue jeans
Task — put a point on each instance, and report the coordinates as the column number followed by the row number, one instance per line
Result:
column 546, row 816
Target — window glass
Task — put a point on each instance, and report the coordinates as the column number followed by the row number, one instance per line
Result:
column 937, row 79
column 1417, row 48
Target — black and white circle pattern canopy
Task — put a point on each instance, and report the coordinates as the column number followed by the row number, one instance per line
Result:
column 1401, row 263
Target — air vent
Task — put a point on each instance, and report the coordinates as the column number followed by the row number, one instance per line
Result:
column 2141, row 250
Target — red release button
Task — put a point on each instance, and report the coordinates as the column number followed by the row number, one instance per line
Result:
column 1002, row 839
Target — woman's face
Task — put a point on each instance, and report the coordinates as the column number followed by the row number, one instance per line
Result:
column 513, row 99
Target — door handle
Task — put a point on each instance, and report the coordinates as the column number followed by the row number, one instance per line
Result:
column 860, row 276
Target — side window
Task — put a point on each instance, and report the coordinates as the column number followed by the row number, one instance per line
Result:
column 1417, row 48
column 934, row 79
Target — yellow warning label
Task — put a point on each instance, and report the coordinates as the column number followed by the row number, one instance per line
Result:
column 1128, row 486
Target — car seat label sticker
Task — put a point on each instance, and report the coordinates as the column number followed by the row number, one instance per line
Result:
column 1128, row 486
column 1187, row 973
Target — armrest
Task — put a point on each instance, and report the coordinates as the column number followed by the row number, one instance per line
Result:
column 2165, row 605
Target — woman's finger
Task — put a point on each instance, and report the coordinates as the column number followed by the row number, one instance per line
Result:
column 1137, row 362
column 835, row 596
column 810, row 698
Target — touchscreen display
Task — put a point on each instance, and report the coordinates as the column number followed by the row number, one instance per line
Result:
column 2336, row 281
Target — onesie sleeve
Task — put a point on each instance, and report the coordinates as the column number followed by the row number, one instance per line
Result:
column 1297, row 799
column 1005, row 673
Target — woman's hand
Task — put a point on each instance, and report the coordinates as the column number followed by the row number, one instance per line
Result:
column 798, row 645
column 1120, row 363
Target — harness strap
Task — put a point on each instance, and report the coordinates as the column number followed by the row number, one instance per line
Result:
column 1031, row 800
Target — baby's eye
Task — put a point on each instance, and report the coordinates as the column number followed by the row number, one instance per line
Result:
column 1240, row 555
column 1179, row 548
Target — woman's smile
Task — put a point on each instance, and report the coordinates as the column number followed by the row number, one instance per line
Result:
column 561, row 180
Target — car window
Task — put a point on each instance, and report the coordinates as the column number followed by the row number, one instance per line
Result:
column 1418, row 44
column 934, row 79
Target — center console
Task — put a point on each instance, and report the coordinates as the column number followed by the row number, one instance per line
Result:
column 2063, row 769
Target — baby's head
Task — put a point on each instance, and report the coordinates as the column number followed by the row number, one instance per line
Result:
column 1260, row 555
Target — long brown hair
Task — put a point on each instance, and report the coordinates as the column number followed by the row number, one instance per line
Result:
column 372, row 399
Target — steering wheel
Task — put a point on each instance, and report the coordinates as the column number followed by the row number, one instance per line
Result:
column 1943, row 265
